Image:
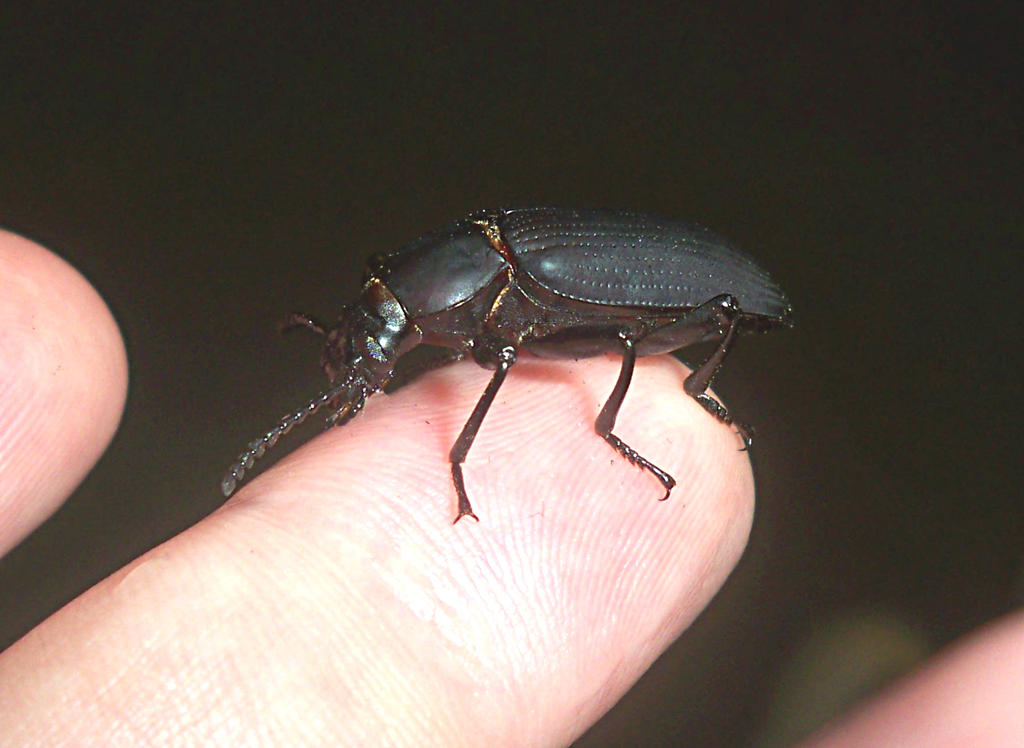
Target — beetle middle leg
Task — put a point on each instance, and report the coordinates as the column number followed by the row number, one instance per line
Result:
column 506, row 357
column 606, row 418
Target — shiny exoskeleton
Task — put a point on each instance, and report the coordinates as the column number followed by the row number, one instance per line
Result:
column 555, row 282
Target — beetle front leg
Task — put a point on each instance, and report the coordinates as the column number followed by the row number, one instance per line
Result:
column 506, row 357
column 297, row 319
column 726, row 311
column 606, row 419
column 403, row 377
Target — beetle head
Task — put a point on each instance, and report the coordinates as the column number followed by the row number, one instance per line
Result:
column 358, row 357
column 370, row 336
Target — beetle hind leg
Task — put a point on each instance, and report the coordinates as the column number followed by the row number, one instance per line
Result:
column 606, row 419
column 726, row 311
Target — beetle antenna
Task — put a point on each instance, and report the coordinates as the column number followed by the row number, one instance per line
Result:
column 258, row 447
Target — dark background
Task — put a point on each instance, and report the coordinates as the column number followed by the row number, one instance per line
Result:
column 211, row 167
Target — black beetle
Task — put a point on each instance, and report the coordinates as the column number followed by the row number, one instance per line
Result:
column 558, row 283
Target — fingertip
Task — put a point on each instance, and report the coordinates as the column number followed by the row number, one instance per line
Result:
column 63, row 383
column 524, row 626
column 563, row 519
column 969, row 694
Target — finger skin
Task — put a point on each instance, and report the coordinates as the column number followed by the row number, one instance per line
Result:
column 972, row 695
column 63, row 379
column 332, row 600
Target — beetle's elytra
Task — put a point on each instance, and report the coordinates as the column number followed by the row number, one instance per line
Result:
column 555, row 282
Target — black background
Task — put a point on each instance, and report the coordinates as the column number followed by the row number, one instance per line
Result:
column 210, row 167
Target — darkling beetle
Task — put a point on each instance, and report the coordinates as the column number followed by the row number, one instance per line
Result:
column 556, row 282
